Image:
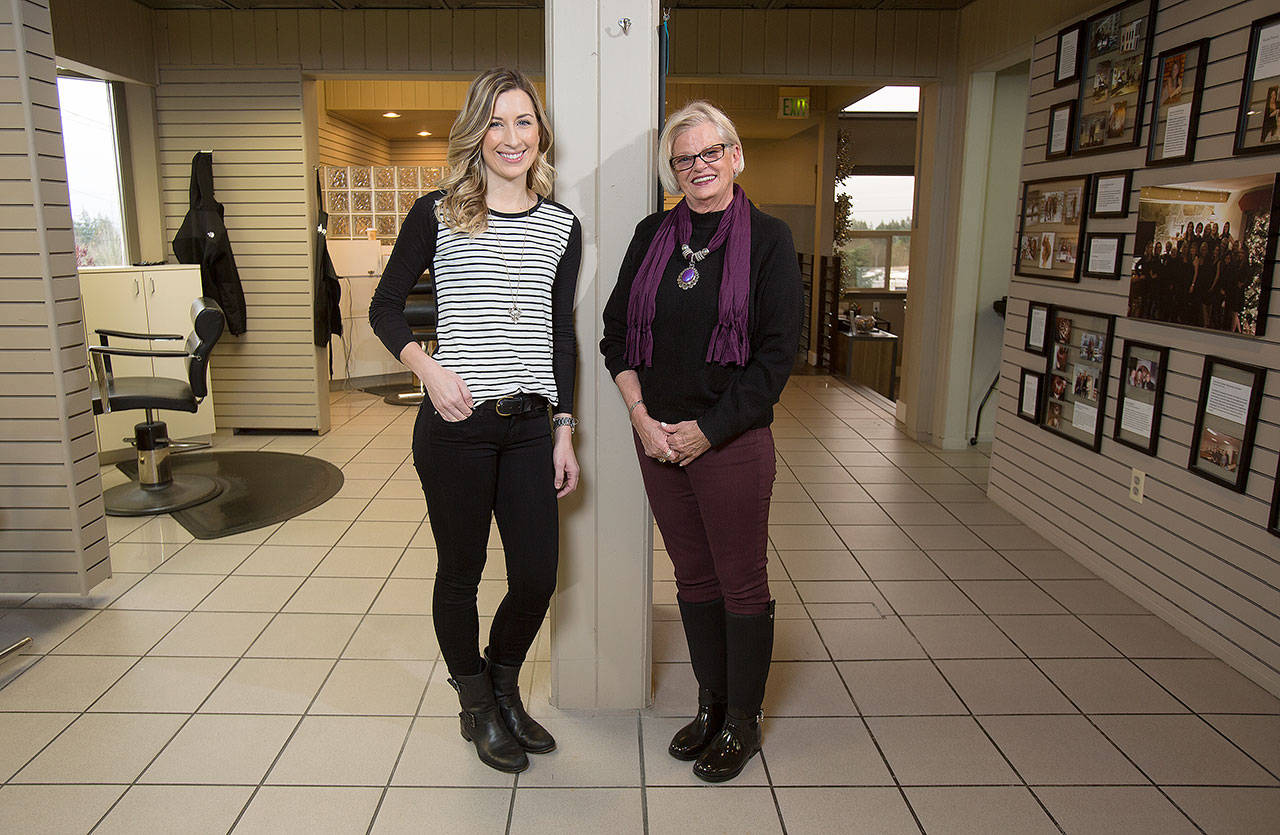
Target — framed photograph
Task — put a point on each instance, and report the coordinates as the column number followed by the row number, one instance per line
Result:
column 1176, row 118
column 1067, row 58
column 1075, row 393
column 1113, row 80
column 1110, row 194
column 1029, row 395
column 1051, row 228
column 1203, row 254
column 1103, row 252
column 1258, row 121
column 1061, row 122
column 1037, row 341
column 1143, row 369
column 1226, row 418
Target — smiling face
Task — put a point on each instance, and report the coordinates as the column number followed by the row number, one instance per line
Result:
column 707, row 186
column 511, row 143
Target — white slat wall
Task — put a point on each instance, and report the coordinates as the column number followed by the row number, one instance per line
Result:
column 252, row 120
column 1196, row 553
column 53, row 534
column 344, row 143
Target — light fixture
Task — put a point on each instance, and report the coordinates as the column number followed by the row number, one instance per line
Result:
column 424, row 133
column 391, row 114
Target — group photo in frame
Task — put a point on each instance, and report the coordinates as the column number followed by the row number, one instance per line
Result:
column 1117, row 50
column 1103, row 252
column 1075, row 386
column 1176, row 115
column 1110, row 194
column 1037, row 337
column 1029, row 395
column 1051, row 228
column 1203, row 253
column 1140, row 399
column 1226, row 419
column 1258, row 120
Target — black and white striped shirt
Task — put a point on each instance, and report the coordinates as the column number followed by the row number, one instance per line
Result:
column 528, row 261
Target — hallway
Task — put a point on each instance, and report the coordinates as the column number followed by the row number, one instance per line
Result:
column 939, row 668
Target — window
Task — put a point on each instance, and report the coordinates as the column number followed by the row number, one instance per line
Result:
column 873, row 230
column 93, row 171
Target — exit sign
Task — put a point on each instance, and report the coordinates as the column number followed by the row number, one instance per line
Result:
column 793, row 107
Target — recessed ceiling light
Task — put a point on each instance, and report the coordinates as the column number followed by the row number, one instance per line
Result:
column 424, row 133
column 391, row 114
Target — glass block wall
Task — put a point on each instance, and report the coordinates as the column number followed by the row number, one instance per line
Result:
column 363, row 197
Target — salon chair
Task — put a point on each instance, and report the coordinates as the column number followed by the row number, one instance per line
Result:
column 157, row 490
column 420, row 313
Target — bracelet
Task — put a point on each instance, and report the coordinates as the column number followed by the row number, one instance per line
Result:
column 632, row 407
column 566, row 420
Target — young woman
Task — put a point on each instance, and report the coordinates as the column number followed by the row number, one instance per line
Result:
column 505, row 262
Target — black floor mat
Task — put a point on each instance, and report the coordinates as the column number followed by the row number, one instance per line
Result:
column 259, row 489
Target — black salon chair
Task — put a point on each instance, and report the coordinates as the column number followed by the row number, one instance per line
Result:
column 420, row 313
column 157, row 490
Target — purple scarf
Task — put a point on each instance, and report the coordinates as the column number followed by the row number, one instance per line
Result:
column 729, row 344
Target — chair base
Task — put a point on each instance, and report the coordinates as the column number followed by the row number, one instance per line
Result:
column 133, row 499
column 408, row 397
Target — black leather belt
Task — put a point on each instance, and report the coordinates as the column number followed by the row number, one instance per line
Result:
column 518, row 404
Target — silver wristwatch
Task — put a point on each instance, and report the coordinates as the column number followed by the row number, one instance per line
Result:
column 566, row 420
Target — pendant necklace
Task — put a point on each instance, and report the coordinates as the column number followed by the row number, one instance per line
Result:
column 513, row 286
column 689, row 275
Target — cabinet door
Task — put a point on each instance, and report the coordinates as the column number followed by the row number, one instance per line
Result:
column 116, row 301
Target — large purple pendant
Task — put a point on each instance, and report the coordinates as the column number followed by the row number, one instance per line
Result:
column 687, row 278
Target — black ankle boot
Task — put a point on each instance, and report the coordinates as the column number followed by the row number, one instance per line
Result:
column 691, row 740
column 749, row 649
column 704, row 627
column 531, row 736
column 483, row 725
column 731, row 750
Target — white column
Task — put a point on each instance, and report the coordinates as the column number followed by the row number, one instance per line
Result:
column 602, row 76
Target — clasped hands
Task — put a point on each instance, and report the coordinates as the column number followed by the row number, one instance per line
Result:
column 675, row 443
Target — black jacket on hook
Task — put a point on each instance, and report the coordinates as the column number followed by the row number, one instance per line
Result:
column 202, row 239
column 325, row 286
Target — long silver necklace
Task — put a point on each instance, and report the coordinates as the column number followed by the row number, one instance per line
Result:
column 513, row 286
column 689, row 275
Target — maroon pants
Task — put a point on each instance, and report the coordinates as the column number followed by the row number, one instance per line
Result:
column 714, row 518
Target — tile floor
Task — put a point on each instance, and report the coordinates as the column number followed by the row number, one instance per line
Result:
column 939, row 668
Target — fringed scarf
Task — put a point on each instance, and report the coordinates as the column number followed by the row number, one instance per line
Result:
column 729, row 343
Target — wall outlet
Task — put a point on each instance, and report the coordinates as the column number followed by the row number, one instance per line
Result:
column 1137, row 484
column 875, row 308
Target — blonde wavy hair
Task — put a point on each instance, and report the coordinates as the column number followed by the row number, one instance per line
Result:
column 694, row 113
column 463, row 206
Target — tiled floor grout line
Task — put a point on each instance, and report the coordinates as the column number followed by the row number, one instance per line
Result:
column 644, row 781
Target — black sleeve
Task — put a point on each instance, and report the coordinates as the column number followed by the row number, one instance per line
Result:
column 613, row 345
column 774, row 340
column 411, row 256
column 564, row 341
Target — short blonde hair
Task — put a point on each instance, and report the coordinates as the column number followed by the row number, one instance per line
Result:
column 690, row 116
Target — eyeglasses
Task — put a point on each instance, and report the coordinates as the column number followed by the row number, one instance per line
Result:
column 711, row 153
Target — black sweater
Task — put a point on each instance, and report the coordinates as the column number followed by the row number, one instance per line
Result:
column 726, row 400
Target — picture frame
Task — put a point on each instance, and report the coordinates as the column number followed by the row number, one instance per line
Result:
column 1113, row 78
column 1175, row 119
column 1230, row 224
column 1226, row 420
column 1036, row 340
column 1067, row 56
column 1051, row 224
column 1062, row 119
column 1273, row 522
column 1140, row 399
column 1109, row 197
column 1075, row 387
column 1258, row 120
column 1103, row 253
column 1030, row 385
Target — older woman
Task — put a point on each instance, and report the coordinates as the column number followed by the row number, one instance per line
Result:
column 700, row 335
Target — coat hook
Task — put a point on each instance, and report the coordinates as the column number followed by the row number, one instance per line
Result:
column 625, row 23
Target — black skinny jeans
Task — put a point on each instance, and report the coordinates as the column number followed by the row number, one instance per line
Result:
column 488, row 466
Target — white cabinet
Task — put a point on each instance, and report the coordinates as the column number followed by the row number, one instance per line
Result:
column 144, row 300
column 358, row 352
